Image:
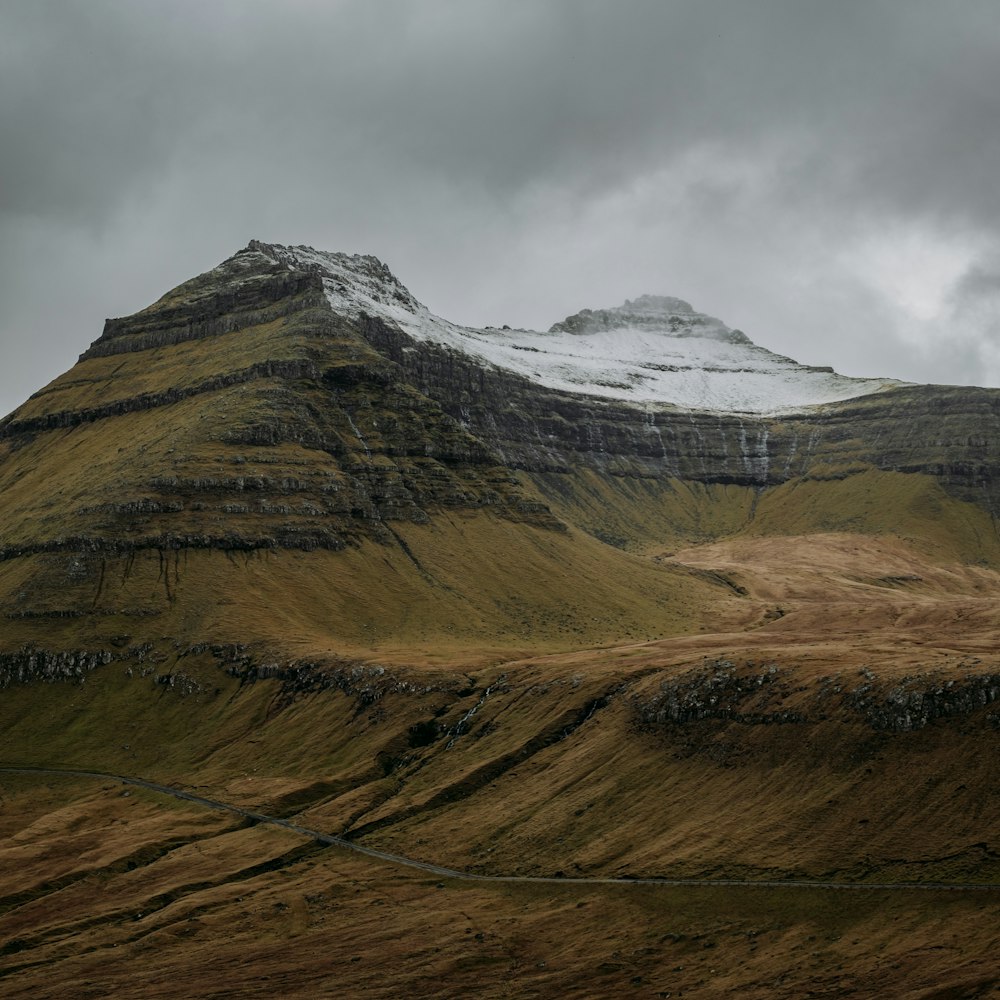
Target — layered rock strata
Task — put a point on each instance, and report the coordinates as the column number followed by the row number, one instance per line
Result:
column 286, row 402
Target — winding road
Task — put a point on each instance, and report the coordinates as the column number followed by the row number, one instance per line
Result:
column 424, row 866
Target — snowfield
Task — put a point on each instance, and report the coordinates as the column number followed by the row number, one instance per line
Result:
column 651, row 350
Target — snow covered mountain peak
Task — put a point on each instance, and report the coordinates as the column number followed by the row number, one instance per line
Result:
column 655, row 313
column 353, row 282
column 655, row 350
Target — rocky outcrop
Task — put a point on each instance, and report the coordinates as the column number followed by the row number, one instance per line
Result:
column 367, row 683
column 234, row 298
column 719, row 690
column 30, row 664
column 764, row 695
column 651, row 312
column 918, row 701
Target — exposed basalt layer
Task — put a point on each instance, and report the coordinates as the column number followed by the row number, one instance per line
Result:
column 720, row 691
column 287, row 538
column 916, row 702
column 766, row 695
column 946, row 432
column 29, row 664
column 365, row 682
column 12, row 428
column 232, row 298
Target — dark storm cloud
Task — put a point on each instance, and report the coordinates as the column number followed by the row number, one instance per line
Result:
column 820, row 174
column 897, row 100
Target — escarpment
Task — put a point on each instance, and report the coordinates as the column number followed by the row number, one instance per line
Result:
column 234, row 296
column 944, row 431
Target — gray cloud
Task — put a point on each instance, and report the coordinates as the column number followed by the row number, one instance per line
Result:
column 821, row 175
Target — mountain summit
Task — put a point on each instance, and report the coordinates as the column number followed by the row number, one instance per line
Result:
column 656, row 313
column 655, row 349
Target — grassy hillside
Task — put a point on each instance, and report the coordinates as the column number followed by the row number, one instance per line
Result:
column 654, row 515
column 168, row 901
column 246, row 552
column 840, row 730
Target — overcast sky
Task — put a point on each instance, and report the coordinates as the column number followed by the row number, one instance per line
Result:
column 823, row 175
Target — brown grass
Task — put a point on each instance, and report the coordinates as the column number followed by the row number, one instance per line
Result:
column 259, row 913
column 476, row 695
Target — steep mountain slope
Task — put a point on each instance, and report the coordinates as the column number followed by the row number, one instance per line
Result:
column 241, row 417
column 644, row 411
column 519, row 603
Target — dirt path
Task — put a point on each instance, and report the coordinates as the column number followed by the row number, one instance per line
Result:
column 397, row 859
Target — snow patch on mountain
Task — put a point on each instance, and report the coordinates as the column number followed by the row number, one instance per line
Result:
column 651, row 350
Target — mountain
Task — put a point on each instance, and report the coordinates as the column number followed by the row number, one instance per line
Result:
column 242, row 415
column 632, row 597
column 656, row 349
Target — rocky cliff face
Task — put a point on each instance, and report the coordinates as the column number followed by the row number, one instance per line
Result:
column 946, row 432
column 949, row 433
